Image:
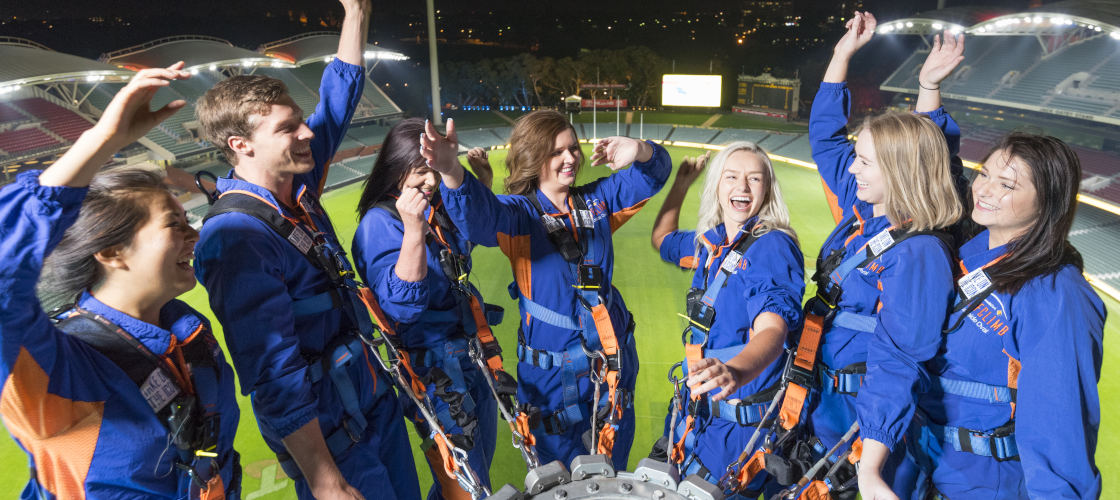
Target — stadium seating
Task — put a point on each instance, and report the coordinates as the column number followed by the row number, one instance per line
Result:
column 61, row 121
column 26, row 140
column 10, row 115
column 304, row 95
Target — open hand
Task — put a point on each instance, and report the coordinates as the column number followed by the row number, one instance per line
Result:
column 441, row 152
column 129, row 116
column 943, row 58
column 691, row 167
column 617, row 152
column 861, row 27
column 479, row 161
column 710, row 373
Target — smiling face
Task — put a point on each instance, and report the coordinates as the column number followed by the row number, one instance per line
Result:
column 422, row 178
column 158, row 259
column 559, row 172
column 871, row 187
column 1004, row 197
column 281, row 141
column 743, row 189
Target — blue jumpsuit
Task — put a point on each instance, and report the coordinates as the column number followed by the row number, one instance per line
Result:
column 254, row 276
column 905, row 291
column 1046, row 342
column 427, row 317
column 87, row 429
column 561, row 389
column 770, row 278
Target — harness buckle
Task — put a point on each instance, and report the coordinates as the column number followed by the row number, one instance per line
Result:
column 590, row 277
column 798, row 375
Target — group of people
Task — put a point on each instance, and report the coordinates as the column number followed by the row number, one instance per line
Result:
column 951, row 328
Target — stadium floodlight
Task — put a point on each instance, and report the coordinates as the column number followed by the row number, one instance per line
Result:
column 213, row 67
column 909, row 24
column 937, row 26
column 956, row 30
column 1115, row 35
column 194, row 71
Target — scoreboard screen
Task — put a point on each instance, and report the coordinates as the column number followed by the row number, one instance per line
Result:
column 691, row 90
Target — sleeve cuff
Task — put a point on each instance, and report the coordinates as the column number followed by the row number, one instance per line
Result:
column 293, row 421
column 878, row 435
column 791, row 315
column 935, row 114
column 51, row 196
column 345, row 69
column 463, row 189
column 408, row 291
column 833, row 86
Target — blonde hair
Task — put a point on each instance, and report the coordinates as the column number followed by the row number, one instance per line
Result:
column 530, row 145
column 914, row 159
column 772, row 216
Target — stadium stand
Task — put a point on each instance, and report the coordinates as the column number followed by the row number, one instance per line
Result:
column 27, row 140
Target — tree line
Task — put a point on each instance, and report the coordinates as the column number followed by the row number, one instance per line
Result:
column 527, row 80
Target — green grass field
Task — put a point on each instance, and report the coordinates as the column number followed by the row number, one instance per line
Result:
column 653, row 290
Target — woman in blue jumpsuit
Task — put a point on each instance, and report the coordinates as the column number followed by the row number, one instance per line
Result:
column 1011, row 409
column 402, row 251
column 895, row 180
column 755, row 306
column 557, row 329
column 119, row 244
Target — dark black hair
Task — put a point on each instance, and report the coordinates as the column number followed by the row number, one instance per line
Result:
column 1043, row 248
column 400, row 153
column 116, row 206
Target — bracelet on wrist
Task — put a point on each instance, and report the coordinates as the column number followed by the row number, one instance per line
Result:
column 927, row 88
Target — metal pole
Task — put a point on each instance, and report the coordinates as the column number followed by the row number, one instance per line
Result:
column 642, row 126
column 433, row 61
column 617, row 131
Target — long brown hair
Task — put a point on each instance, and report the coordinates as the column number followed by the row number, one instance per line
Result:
column 116, row 206
column 400, row 153
column 530, row 145
column 1043, row 248
column 912, row 154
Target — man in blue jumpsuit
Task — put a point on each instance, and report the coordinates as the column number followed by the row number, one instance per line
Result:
column 333, row 445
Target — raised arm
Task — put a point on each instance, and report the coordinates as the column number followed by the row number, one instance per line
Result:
column 480, row 165
column 828, row 119
column 355, row 26
column 942, row 60
column 127, row 118
column 340, row 91
column 861, row 27
column 668, row 218
column 626, row 191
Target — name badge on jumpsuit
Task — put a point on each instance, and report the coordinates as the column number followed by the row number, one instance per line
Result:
column 974, row 283
column 881, row 242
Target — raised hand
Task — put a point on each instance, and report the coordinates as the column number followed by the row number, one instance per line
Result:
column 710, row 373
column 943, row 58
column 617, row 152
column 440, row 152
column 691, row 168
column 479, row 161
column 861, row 28
column 129, row 115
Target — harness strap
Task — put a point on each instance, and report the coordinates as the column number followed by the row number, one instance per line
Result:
column 999, row 444
column 859, row 322
column 357, row 302
column 974, row 390
column 594, row 318
column 167, row 387
column 701, row 315
column 846, row 380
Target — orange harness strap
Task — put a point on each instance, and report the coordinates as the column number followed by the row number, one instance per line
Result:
column 692, row 353
column 609, row 341
column 806, row 359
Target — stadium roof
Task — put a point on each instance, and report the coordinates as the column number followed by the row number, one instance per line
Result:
column 198, row 52
column 28, row 63
column 955, row 19
column 317, row 47
column 1099, row 16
